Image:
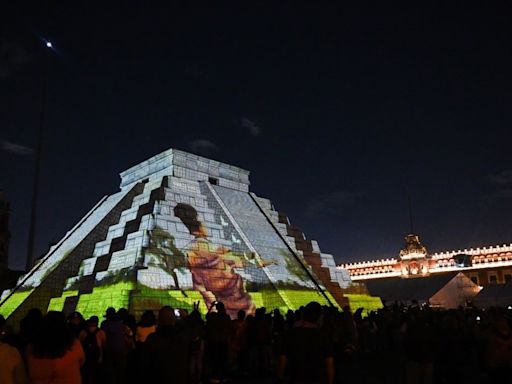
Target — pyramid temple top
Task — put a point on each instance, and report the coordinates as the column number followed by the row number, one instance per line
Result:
column 173, row 162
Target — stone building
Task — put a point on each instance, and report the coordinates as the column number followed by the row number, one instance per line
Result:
column 182, row 228
column 481, row 267
column 486, row 265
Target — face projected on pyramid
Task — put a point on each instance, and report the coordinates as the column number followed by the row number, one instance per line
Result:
column 212, row 266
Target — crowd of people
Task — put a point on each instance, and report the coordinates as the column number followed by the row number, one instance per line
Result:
column 313, row 344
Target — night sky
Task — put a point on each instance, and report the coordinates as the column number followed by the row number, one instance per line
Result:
column 339, row 114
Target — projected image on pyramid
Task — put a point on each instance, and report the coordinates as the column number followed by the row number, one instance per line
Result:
column 182, row 229
column 213, row 267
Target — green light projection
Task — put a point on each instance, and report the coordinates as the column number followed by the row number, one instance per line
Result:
column 191, row 232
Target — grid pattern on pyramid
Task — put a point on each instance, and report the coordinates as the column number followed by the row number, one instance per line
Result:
column 262, row 235
column 337, row 275
column 106, row 257
column 138, row 258
column 47, row 278
column 154, row 277
column 126, row 260
column 59, row 251
column 220, row 229
column 114, row 258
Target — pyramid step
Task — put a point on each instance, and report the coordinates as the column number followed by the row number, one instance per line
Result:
column 182, row 229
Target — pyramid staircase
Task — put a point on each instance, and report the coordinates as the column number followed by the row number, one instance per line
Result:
column 130, row 250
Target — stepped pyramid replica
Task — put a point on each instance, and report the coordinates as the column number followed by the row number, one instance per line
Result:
column 182, row 229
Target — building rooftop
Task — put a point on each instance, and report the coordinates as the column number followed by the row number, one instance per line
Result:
column 173, row 162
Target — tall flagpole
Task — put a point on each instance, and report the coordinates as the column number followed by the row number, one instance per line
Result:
column 37, row 159
column 411, row 222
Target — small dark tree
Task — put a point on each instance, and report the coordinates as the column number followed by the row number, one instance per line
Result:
column 162, row 246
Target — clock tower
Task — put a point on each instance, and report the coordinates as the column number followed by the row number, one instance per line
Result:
column 414, row 258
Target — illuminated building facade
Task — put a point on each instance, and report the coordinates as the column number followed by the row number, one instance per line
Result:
column 182, row 228
column 484, row 266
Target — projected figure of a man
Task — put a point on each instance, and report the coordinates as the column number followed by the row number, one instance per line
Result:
column 212, row 267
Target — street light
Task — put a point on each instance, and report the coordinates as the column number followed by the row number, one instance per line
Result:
column 37, row 160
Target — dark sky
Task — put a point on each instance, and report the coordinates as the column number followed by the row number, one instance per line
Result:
column 339, row 113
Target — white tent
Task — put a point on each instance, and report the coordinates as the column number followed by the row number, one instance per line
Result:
column 457, row 292
column 443, row 290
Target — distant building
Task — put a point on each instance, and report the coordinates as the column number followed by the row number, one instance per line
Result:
column 482, row 266
column 487, row 265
